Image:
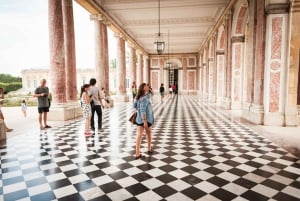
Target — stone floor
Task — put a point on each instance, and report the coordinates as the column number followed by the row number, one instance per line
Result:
column 200, row 153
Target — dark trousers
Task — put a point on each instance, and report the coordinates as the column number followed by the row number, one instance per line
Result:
column 98, row 110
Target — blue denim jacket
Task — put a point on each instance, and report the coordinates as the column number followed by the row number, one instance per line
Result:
column 144, row 106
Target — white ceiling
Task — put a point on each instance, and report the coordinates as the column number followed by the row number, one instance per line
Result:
column 187, row 21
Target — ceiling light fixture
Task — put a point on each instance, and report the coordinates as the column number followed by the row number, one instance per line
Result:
column 159, row 43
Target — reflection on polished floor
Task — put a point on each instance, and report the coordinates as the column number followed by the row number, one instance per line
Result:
column 199, row 154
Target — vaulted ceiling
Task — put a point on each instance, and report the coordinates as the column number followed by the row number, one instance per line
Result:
column 184, row 23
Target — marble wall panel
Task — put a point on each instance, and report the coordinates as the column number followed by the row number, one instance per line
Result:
column 220, row 75
column 236, row 71
column 240, row 21
column 276, row 63
column 191, row 80
column 154, row 80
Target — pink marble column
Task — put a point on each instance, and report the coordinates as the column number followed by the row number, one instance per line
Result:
column 228, row 61
column 139, row 77
column 121, row 66
column 259, row 54
column 101, row 53
column 251, row 49
column 146, row 70
column 215, row 73
column 57, row 52
column 132, row 64
column 70, row 58
column 184, row 74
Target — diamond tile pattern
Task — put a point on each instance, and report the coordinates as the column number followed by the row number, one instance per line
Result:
column 199, row 154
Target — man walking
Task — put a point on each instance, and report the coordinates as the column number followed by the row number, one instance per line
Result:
column 96, row 104
column 42, row 93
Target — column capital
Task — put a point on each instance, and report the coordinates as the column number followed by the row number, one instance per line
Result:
column 100, row 17
column 120, row 35
column 228, row 15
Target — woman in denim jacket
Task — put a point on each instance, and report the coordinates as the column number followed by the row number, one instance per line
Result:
column 144, row 118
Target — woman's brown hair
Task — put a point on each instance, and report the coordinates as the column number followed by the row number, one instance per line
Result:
column 140, row 92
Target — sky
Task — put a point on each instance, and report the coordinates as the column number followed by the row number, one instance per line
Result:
column 24, row 37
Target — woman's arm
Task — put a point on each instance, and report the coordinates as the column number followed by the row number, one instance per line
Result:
column 86, row 98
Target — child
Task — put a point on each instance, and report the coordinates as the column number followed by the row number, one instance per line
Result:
column 24, row 107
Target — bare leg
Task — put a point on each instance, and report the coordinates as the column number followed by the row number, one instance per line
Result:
column 40, row 119
column 149, row 138
column 87, row 124
column 45, row 118
column 139, row 135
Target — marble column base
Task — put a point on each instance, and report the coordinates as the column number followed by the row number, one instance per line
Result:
column 292, row 118
column 220, row 101
column 64, row 111
column 199, row 94
column 274, row 119
column 2, row 130
column 212, row 98
column 236, row 106
column 253, row 113
column 226, row 103
column 120, row 98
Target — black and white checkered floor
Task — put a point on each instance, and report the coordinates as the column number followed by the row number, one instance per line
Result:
column 199, row 154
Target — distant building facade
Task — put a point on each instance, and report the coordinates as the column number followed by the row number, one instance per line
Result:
column 31, row 78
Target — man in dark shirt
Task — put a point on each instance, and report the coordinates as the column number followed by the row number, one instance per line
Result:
column 42, row 93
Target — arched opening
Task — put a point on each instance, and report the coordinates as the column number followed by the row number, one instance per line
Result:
column 239, row 53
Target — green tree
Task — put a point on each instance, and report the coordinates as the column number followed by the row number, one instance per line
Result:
column 6, row 78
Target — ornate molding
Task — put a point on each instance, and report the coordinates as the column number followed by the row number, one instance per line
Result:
column 170, row 21
column 278, row 8
column 295, row 7
column 220, row 52
column 237, row 39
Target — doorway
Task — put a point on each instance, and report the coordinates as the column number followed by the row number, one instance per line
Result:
column 173, row 78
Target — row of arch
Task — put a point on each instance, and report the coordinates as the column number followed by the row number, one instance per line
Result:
column 245, row 63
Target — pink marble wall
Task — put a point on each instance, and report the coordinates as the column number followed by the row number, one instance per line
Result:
column 210, row 77
column 222, row 40
column 204, row 77
column 154, row 80
column 239, row 29
column 184, row 73
column 276, row 44
column 191, row 78
column 237, row 54
column 220, row 72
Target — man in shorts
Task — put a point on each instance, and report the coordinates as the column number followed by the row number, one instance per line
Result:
column 42, row 93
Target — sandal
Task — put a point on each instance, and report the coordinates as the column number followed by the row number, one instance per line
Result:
column 87, row 134
column 150, row 152
column 138, row 157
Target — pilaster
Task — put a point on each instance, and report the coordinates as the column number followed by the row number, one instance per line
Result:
column 275, row 87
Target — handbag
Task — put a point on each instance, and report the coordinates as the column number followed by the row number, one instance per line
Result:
column 132, row 118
